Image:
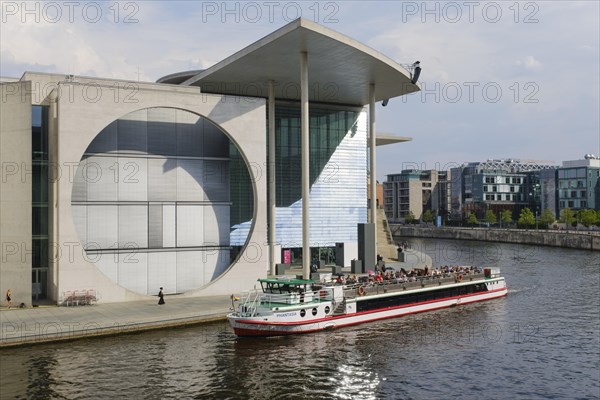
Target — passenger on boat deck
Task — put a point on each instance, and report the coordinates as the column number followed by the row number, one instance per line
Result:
column 339, row 280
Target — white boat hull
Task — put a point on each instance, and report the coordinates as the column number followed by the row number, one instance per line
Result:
column 260, row 326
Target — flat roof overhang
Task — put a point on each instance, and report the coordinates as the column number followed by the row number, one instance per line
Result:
column 383, row 139
column 340, row 69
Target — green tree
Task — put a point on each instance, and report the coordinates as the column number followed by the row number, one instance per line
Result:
column 506, row 216
column 568, row 217
column 472, row 219
column 526, row 218
column 490, row 217
column 547, row 218
column 587, row 217
column 410, row 218
column 598, row 217
column 427, row 216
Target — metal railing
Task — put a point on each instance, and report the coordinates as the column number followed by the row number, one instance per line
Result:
column 395, row 284
column 249, row 301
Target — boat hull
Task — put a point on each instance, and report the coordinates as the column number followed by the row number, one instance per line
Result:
column 259, row 327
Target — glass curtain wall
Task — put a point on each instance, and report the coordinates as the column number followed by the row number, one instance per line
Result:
column 153, row 200
column 338, row 174
column 39, row 198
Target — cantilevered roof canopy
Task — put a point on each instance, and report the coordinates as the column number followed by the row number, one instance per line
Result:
column 384, row 139
column 340, row 69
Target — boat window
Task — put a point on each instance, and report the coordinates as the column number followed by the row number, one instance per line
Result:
column 314, row 311
column 302, row 312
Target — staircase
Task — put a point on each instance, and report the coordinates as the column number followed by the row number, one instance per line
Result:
column 385, row 243
column 340, row 308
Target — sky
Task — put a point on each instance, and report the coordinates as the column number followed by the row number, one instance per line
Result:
column 500, row 79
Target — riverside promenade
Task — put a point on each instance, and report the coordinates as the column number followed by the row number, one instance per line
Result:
column 53, row 323
column 573, row 239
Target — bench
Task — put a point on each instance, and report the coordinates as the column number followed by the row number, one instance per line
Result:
column 79, row 297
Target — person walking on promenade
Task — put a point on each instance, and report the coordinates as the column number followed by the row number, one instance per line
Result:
column 161, row 296
column 8, row 298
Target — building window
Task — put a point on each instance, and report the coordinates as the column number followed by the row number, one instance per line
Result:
column 172, row 190
column 39, row 198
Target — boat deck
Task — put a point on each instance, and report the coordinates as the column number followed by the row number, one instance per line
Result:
column 395, row 285
column 387, row 286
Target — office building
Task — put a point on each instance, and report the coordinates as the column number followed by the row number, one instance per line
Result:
column 195, row 183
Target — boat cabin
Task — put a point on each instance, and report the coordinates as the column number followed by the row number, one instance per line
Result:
column 287, row 290
column 285, row 285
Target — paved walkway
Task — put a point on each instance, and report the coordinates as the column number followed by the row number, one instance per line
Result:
column 52, row 323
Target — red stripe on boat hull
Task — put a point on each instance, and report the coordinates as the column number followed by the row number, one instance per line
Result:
column 263, row 328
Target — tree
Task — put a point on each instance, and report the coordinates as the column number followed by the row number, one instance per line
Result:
column 506, row 216
column 547, row 218
column 526, row 218
column 410, row 218
column 598, row 217
column 490, row 217
column 427, row 216
column 568, row 217
column 472, row 219
column 587, row 217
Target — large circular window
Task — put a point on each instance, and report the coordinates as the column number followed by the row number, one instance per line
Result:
column 157, row 198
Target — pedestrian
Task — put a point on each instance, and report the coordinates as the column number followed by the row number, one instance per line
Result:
column 161, row 296
column 8, row 298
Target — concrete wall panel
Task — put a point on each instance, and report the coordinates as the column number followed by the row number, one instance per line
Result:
column 80, row 119
column 15, row 191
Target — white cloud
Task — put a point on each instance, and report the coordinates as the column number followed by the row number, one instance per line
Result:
column 529, row 62
column 556, row 57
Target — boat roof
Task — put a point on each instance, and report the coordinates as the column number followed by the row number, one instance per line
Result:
column 287, row 281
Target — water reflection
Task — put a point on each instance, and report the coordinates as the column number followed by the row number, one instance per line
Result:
column 541, row 341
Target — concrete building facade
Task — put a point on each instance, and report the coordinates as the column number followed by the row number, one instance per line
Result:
column 122, row 187
column 416, row 191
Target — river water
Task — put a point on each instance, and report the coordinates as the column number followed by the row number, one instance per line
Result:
column 542, row 341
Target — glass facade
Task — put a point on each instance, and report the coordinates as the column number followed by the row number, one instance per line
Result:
column 153, row 202
column 578, row 188
column 338, row 170
column 39, row 198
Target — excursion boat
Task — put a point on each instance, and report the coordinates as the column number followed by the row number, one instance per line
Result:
column 285, row 306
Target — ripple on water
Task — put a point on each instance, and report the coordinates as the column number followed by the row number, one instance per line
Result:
column 542, row 341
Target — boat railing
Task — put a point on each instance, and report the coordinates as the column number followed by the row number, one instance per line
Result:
column 308, row 296
column 248, row 304
column 397, row 284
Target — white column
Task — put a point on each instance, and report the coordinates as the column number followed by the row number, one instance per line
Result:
column 372, row 136
column 305, row 165
column 271, row 163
